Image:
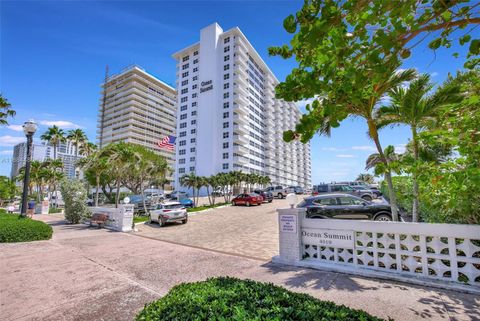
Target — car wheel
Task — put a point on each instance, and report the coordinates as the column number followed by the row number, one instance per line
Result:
column 270, row 201
column 280, row 195
column 383, row 218
column 233, row 203
column 367, row 198
column 161, row 222
column 247, row 203
column 185, row 221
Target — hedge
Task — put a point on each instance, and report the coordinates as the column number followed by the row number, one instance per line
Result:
column 14, row 228
column 226, row 298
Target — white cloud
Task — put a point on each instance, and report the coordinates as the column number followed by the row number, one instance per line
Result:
column 346, row 156
column 17, row 128
column 6, row 152
column 333, row 149
column 367, row 148
column 400, row 148
column 8, row 140
column 434, row 74
column 60, row 123
column 303, row 103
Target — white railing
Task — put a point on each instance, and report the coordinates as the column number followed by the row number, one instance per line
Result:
column 448, row 253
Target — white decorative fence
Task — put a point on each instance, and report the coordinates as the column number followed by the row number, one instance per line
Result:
column 439, row 254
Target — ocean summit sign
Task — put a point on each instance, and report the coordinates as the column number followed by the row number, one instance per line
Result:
column 328, row 237
column 206, row 86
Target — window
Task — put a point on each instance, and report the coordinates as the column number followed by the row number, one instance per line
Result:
column 194, row 86
column 183, row 134
column 195, row 61
column 226, row 49
column 182, row 152
column 192, row 159
column 194, row 113
column 185, row 58
column 225, row 155
column 226, row 95
column 184, row 91
column 181, row 170
column 193, row 140
column 183, row 99
column 183, row 116
column 195, row 53
column 182, row 143
column 192, row 150
column 194, row 95
column 225, row 165
column 226, row 40
column 192, row 169
column 193, row 122
column 345, row 200
column 225, row 125
column 322, row 188
column 226, row 58
column 181, row 161
column 225, row 145
column 226, row 114
column 226, row 67
column 194, row 104
column 183, row 108
column 226, row 105
column 183, row 125
column 325, row 201
column 193, row 131
column 185, row 66
column 185, row 82
column 226, row 76
column 185, row 74
column 225, row 135
column 195, row 78
column 226, row 86
column 195, row 69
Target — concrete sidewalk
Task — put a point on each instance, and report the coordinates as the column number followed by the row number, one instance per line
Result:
column 91, row 274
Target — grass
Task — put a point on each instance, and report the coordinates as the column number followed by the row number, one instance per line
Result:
column 54, row 210
column 140, row 219
column 14, row 228
column 227, row 298
column 204, row 207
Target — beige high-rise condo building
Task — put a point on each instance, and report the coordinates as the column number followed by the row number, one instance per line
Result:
column 136, row 107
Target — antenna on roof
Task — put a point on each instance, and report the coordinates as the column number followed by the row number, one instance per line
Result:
column 104, row 101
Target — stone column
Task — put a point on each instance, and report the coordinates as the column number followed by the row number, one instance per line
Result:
column 290, row 238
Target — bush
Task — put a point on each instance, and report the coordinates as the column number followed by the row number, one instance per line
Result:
column 228, row 298
column 14, row 228
column 53, row 210
column 75, row 197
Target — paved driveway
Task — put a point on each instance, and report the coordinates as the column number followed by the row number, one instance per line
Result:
column 249, row 231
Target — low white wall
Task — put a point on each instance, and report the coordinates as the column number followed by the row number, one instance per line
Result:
column 437, row 254
column 119, row 219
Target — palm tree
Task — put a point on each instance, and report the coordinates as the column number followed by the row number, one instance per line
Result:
column 78, row 138
column 377, row 162
column 5, row 110
column 87, row 148
column 416, row 107
column 55, row 165
column 194, row 182
column 365, row 177
column 96, row 163
column 120, row 157
column 54, row 136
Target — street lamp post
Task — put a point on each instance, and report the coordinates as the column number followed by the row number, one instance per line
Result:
column 29, row 128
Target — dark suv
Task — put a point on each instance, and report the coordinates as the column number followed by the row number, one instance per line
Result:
column 345, row 206
column 366, row 194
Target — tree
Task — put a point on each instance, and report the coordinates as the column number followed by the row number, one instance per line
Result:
column 96, row 167
column 54, row 136
column 367, row 178
column 75, row 198
column 5, row 110
column 78, row 138
column 87, row 148
column 416, row 107
column 8, row 190
column 194, row 182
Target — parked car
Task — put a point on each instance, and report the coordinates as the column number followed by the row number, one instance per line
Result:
column 298, row 190
column 137, row 202
column 247, row 199
column 175, row 195
column 376, row 193
column 169, row 212
column 345, row 206
column 217, row 193
column 342, row 188
column 186, row 202
column 267, row 196
column 278, row 191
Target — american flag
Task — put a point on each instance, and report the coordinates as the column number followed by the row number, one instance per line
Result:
column 168, row 142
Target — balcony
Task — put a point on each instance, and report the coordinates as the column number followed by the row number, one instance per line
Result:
column 241, row 129
column 239, row 79
column 240, row 139
column 240, row 119
column 240, row 150
column 239, row 99
column 240, row 160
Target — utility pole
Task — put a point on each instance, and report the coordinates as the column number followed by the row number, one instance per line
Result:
column 104, row 102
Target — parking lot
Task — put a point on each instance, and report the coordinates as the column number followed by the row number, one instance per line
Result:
column 249, row 231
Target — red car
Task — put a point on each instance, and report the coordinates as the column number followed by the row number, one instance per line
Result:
column 247, row 199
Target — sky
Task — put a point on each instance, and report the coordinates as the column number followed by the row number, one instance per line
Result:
column 53, row 56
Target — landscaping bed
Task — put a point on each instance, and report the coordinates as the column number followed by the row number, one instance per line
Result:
column 226, row 298
column 14, row 228
column 205, row 207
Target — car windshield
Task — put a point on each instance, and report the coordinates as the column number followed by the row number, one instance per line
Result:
column 172, row 206
column 135, row 198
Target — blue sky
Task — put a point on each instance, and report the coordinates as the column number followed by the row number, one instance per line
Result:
column 54, row 53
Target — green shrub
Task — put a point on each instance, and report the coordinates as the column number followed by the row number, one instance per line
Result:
column 228, row 298
column 74, row 195
column 14, row 228
column 53, row 210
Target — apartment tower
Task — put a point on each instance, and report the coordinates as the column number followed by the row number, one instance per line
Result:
column 228, row 118
column 136, row 107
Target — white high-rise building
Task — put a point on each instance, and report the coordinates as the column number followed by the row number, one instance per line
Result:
column 228, row 118
column 40, row 152
column 138, row 108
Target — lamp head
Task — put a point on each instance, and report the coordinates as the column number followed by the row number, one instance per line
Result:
column 30, row 127
column 126, row 200
column 292, row 199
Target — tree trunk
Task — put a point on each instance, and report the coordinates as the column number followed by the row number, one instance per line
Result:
column 143, row 200
column 372, row 129
column 414, row 176
column 97, row 188
column 117, row 196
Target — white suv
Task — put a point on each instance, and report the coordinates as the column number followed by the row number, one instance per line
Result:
column 169, row 212
column 278, row 191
